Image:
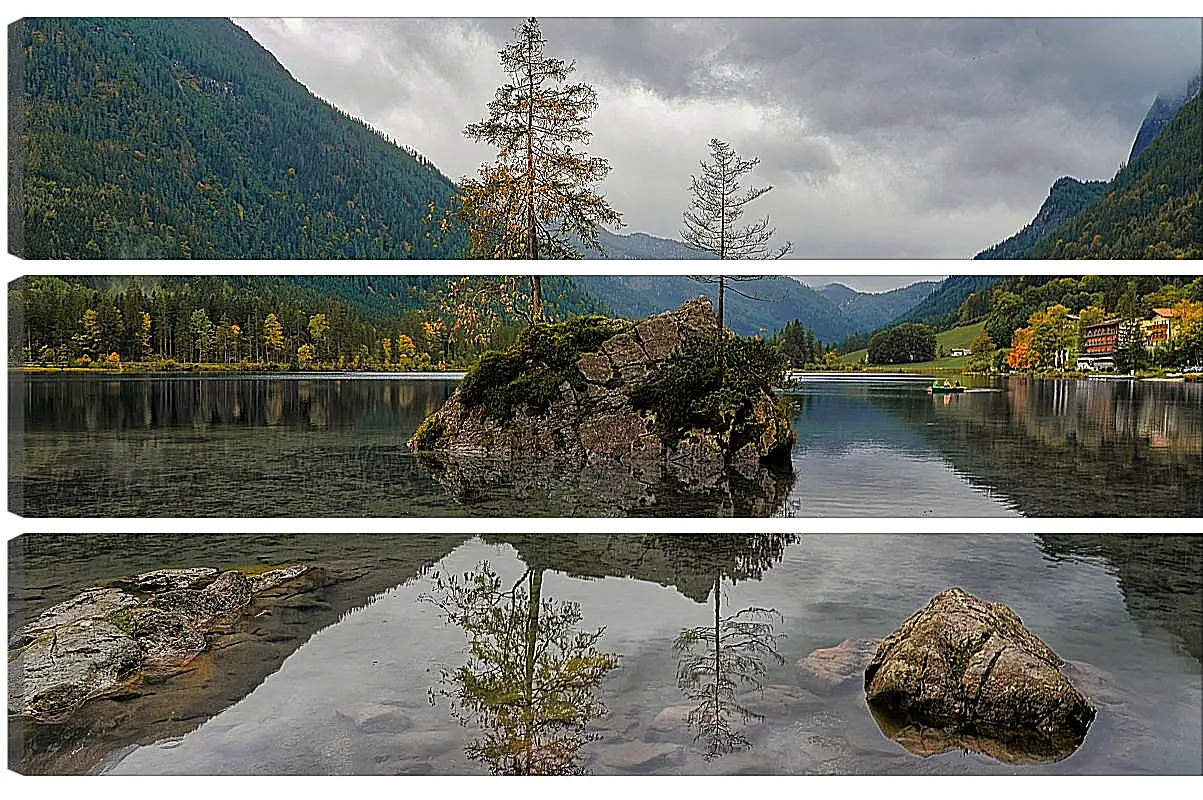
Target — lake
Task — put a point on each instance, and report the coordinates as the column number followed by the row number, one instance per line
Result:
column 330, row 446
column 340, row 680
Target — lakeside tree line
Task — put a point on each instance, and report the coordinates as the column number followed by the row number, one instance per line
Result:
column 259, row 321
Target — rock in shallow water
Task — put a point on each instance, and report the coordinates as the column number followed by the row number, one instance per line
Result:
column 102, row 638
column 970, row 669
column 636, row 756
column 64, row 668
column 841, row 666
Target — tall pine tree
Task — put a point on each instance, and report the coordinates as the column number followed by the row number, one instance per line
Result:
column 538, row 194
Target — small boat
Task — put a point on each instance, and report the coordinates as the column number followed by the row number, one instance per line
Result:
column 945, row 389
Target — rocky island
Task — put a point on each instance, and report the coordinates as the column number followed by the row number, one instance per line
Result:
column 666, row 398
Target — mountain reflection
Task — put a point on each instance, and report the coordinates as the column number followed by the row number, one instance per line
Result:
column 530, row 678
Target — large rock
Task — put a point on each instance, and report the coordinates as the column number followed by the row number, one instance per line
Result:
column 93, row 643
column 592, row 419
column 95, row 603
column 61, row 669
column 971, row 670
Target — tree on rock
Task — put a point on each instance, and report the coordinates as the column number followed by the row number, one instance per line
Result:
column 711, row 223
column 538, row 195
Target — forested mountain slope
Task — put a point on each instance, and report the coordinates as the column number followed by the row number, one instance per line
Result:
column 1067, row 198
column 778, row 300
column 1152, row 208
column 184, row 138
column 958, row 299
column 871, row 310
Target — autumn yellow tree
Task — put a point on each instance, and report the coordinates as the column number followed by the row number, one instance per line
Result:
column 273, row 335
column 1021, row 355
column 538, row 198
column 1049, row 341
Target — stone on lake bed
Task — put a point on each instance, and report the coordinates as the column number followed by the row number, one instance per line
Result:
column 778, row 701
column 971, row 670
column 376, row 718
column 842, row 666
column 673, row 718
column 415, row 743
column 629, row 756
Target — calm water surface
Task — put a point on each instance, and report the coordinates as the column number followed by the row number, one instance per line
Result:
column 335, row 446
column 345, row 689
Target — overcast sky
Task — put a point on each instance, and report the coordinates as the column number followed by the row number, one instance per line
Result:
column 904, row 138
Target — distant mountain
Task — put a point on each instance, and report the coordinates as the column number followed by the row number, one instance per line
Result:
column 957, row 299
column 872, row 310
column 184, row 138
column 1164, row 109
column 1067, row 198
column 837, row 293
column 642, row 246
column 781, row 300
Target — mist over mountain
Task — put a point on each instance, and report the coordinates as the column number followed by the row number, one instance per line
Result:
column 1164, row 108
column 1149, row 209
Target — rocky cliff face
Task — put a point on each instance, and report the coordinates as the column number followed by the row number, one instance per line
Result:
column 594, row 418
column 1163, row 110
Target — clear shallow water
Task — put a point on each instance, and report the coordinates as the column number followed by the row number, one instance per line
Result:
column 335, row 446
column 349, row 695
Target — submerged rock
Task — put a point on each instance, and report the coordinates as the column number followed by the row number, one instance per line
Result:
column 587, row 392
column 93, row 643
column 640, row 756
column 829, row 668
column 971, row 671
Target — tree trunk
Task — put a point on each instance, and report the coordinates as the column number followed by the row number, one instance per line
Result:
column 532, row 240
column 532, row 639
column 536, row 298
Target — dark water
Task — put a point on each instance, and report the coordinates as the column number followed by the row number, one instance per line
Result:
column 335, row 446
column 338, row 684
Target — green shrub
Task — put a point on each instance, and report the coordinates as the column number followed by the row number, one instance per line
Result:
column 710, row 385
column 531, row 371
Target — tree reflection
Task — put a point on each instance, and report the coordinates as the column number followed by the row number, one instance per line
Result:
column 719, row 662
column 530, row 677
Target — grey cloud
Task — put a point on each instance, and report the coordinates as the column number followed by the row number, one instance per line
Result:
column 952, row 119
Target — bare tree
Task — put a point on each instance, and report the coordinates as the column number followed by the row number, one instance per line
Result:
column 711, row 223
column 716, row 662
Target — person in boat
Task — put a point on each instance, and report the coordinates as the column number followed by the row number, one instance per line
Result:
column 957, row 385
column 947, row 384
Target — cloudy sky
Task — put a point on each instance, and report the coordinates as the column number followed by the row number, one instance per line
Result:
column 901, row 138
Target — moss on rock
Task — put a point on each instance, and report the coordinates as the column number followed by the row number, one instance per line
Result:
column 532, row 370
